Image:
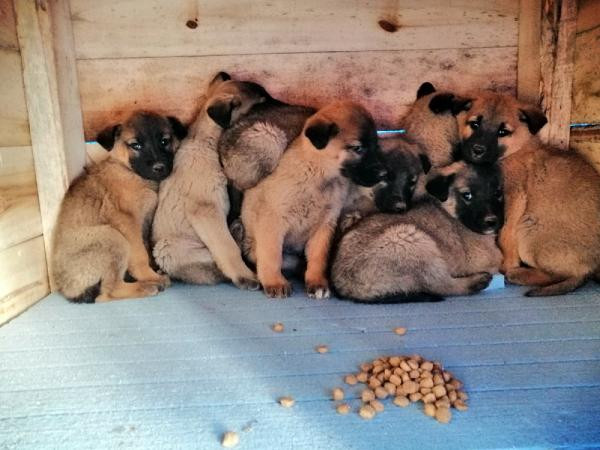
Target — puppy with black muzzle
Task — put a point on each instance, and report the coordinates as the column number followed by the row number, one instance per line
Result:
column 551, row 237
column 191, row 239
column 296, row 207
column 107, row 212
column 442, row 246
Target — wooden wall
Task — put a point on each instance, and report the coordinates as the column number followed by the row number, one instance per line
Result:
column 160, row 54
column 23, row 274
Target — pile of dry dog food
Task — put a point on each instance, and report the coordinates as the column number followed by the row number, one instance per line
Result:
column 405, row 379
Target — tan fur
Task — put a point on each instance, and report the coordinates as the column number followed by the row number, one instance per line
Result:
column 297, row 206
column 552, row 205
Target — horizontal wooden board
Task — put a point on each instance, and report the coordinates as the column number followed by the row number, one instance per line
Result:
column 24, row 277
column 151, row 28
column 385, row 82
column 14, row 126
column 19, row 207
column 8, row 30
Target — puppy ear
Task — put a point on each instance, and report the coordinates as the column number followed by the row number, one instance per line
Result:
column 460, row 104
column 441, row 103
column 107, row 137
column 219, row 78
column 319, row 132
column 425, row 163
column 221, row 110
column 425, row 89
column 533, row 117
column 439, row 186
column 179, row 129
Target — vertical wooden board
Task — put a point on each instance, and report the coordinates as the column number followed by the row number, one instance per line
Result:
column 152, row 28
column 24, row 277
column 14, row 126
column 8, row 30
column 528, row 67
column 385, row 82
column 20, row 218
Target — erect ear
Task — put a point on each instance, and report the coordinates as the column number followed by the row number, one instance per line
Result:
column 220, row 111
column 319, row 132
column 439, row 186
column 219, row 78
column 533, row 117
column 179, row 130
column 425, row 163
column 425, row 89
column 441, row 103
column 107, row 137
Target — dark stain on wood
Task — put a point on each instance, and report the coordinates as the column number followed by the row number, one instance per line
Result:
column 388, row 25
column 192, row 24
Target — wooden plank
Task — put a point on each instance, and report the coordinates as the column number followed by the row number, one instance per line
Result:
column 8, row 30
column 14, row 126
column 528, row 67
column 57, row 140
column 24, row 277
column 19, row 207
column 385, row 82
column 158, row 28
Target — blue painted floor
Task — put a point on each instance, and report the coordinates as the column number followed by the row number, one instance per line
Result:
column 178, row 370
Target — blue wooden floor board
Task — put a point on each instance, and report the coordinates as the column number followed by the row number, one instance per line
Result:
column 178, row 370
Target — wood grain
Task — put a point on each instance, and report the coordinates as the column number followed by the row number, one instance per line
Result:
column 24, row 277
column 528, row 66
column 158, row 28
column 8, row 30
column 14, row 125
column 385, row 82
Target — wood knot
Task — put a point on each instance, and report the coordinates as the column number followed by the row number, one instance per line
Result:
column 192, row 24
column 388, row 26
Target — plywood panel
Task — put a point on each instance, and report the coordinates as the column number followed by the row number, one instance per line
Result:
column 8, row 31
column 151, row 28
column 385, row 82
column 19, row 208
column 14, row 127
column 24, row 277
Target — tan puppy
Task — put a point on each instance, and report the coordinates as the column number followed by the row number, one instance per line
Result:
column 297, row 206
column 552, row 196
column 108, row 210
column 191, row 239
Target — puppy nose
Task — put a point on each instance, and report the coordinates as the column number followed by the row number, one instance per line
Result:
column 478, row 149
column 382, row 174
column 491, row 220
column 399, row 205
column 158, row 168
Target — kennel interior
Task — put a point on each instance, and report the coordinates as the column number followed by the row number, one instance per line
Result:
column 177, row 370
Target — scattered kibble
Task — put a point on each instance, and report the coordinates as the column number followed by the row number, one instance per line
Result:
column 230, row 439
column 400, row 331
column 277, row 327
column 337, row 394
column 377, row 405
column 344, row 408
column 287, row 402
column 367, row 412
column 367, row 395
column 351, row 380
column 322, row 349
column 429, row 409
column 401, row 401
column 443, row 414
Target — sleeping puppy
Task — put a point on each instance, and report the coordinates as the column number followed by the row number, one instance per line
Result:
column 442, row 246
column 296, row 207
column 107, row 211
column 191, row 239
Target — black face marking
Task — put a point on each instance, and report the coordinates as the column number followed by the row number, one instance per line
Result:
column 482, row 146
column 367, row 170
column 396, row 193
column 425, row 89
column 179, row 129
column 152, row 157
column 480, row 204
column 534, row 118
column 439, row 186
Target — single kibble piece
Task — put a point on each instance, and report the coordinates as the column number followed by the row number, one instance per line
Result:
column 426, row 383
column 402, row 401
column 351, row 380
column 374, row 382
column 442, row 403
column 456, row 384
column 230, row 439
column 437, row 379
column 429, row 409
column 429, row 398
column 287, row 402
column 426, row 374
column 427, row 365
column 414, row 374
column 343, row 409
column 377, row 405
column 394, row 361
column 277, row 327
column 390, row 388
column 367, row 395
column 405, row 377
column 400, row 331
column 395, row 379
column 367, row 412
column 447, row 376
column 443, row 414
column 425, row 391
column 460, row 405
column 414, row 365
column 404, row 366
column 387, row 373
column 452, row 396
column 366, row 367
column 322, row 349
column 410, row 387
column 377, row 369
column 337, row 394
column 463, row 395
column 439, row 390
column 415, row 397
column 362, row 377
column 381, row 393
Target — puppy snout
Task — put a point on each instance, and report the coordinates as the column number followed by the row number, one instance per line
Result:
column 398, row 204
column 382, row 174
column 159, row 168
column 491, row 220
column 478, row 150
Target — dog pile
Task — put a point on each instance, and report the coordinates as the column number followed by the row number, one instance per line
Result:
column 408, row 379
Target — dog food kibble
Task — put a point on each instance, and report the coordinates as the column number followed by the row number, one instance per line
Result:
column 287, row 402
column 337, row 394
column 230, row 439
column 405, row 379
column 322, row 349
column 344, row 408
column 277, row 327
column 400, row 331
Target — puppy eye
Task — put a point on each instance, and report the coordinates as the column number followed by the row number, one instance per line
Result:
column 413, row 180
column 358, row 149
column 467, row 196
column 499, row 194
column 474, row 125
column 503, row 132
column 165, row 142
column 135, row 146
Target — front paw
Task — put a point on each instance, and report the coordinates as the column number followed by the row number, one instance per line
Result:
column 479, row 282
column 319, row 290
column 163, row 282
column 281, row 289
column 249, row 284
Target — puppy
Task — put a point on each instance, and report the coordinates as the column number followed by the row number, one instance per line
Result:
column 442, row 246
column 107, row 211
column 191, row 239
column 297, row 206
column 552, row 196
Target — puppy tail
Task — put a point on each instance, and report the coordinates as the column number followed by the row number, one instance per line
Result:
column 560, row 288
column 402, row 298
column 88, row 296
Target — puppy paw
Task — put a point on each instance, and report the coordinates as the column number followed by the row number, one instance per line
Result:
column 318, row 290
column 148, row 288
column 249, row 284
column 278, row 290
column 479, row 282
